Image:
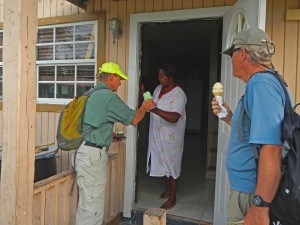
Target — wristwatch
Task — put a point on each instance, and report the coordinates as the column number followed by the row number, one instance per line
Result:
column 258, row 201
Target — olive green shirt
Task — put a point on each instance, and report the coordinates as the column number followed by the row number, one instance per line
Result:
column 103, row 109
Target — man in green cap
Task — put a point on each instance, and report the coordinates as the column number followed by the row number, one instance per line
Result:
column 255, row 124
column 103, row 109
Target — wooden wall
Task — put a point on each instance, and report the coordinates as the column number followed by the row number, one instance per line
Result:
column 285, row 34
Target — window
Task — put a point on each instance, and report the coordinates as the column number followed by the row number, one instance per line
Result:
column 66, row 61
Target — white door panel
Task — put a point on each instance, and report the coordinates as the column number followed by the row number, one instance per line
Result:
column 244, row 14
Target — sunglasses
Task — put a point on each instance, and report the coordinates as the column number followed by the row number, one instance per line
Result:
column 234, row 50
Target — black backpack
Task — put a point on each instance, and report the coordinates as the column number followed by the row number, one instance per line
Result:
column 285, row 207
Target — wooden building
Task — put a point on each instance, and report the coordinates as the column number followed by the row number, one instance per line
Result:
column 81, row 40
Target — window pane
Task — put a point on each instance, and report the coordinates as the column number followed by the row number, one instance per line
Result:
column 86, row 73
column 84, row 32
column 65, row 91
column 46, row 90
column 66, row 73
column 81, row 88
column 63, row 52
column 46, row 73
column 64, row 34
column 85, row 50
column 45, row 35
column 1, row 55
column 45, row 52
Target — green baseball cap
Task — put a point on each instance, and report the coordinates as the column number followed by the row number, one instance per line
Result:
column 251, row 36
column 113, row 68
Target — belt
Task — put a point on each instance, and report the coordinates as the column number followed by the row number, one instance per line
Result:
column 90, row 144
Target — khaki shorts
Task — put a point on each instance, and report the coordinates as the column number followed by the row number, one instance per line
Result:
column 238, row 206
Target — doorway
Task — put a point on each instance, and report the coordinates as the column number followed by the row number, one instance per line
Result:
column 193, row 47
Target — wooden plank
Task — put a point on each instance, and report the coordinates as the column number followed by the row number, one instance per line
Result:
column 52, row 128
column 149, row 6
column 51, row 206
column 19, row 111
column 187, row 4
column 177, row 4
column 140, row 6
column 97, row 5
column 197, row 3
column 53, row 8
column 208, row 3
column 38, row 134
column 70, row 18
column 113, row 47
column 37, row 214
column 290, row 51
column 63, row 203
column 60, row 7
column 1, row 128
column 293, row 14
column 297, row 99
column 44, row 127
column 40, row 9
column 47, row 7
column 167, row 5
column 231, row 2
column 73, row 201
column 67, row 8
column 219, row 3
column 158, row 5
column 278, row 25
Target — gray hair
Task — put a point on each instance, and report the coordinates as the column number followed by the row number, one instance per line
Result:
column 103, row 76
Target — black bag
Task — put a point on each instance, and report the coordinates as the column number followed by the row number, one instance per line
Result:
column 285, row 207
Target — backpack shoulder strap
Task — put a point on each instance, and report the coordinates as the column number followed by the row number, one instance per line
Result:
column 255, row 148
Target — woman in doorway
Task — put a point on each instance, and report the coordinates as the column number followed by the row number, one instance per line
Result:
column 166, row 132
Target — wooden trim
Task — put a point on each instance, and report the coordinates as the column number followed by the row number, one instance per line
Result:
column 49, row 108
column 44, row 107
column 71, row 18
column 293, row 14
column 101, row 40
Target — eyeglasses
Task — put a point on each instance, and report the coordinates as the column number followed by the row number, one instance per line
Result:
column 234, row 50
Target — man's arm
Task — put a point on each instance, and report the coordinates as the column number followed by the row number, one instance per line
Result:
column 140, row 113
column 269, row 175
column 171, row 117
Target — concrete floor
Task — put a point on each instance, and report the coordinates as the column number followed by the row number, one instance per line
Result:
column 195, row 194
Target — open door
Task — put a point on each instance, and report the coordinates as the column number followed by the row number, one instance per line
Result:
column 244, row 14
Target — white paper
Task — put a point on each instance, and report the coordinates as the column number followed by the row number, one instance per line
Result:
column 223, row 112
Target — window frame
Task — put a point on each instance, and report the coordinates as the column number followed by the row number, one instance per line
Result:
column 68, row 62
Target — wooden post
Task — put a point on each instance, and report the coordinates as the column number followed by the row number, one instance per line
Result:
column 155, row 216
column 19, row 110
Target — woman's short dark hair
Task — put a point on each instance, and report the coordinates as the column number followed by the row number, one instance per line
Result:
column 169, row 70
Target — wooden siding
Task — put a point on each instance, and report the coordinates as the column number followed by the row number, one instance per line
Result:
column 53, row 204
column 284, row 33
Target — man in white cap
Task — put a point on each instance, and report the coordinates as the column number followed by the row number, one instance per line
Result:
column 103, row 109
column 253, row 187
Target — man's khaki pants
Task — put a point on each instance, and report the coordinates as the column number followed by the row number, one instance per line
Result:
column 91, row 179
column 238, row 206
